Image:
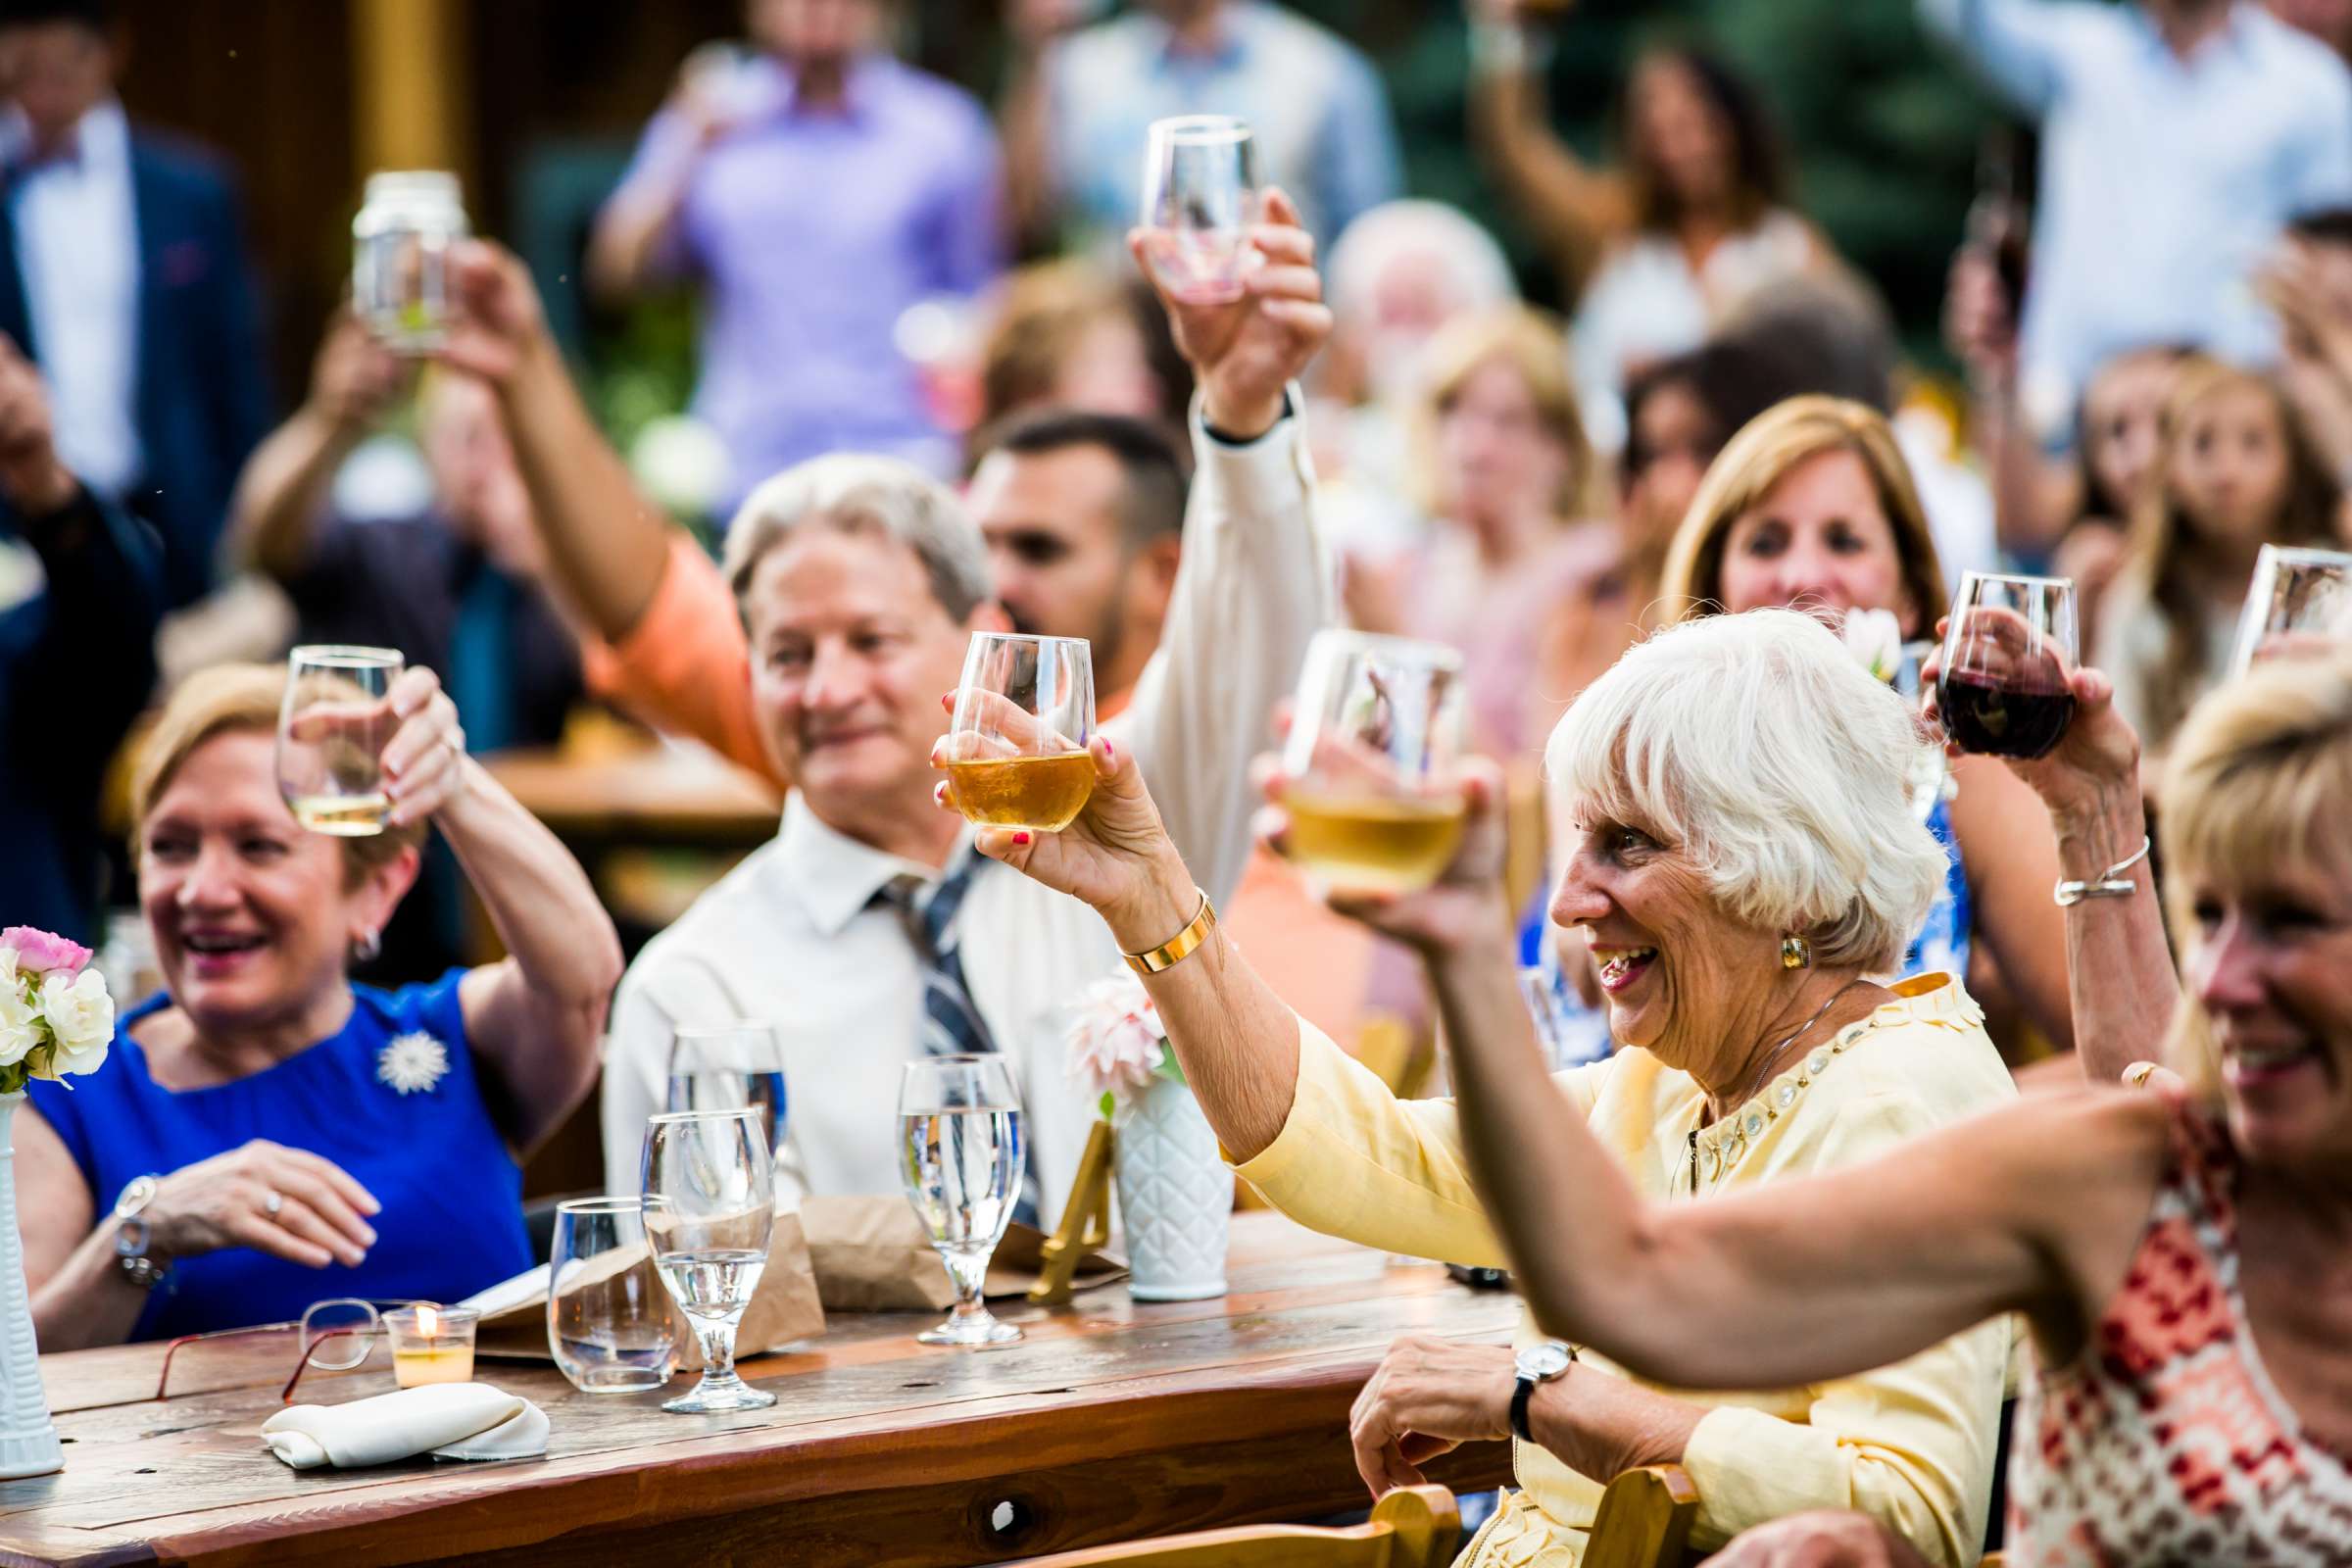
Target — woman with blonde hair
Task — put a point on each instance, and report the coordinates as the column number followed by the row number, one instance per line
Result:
column 264, row 1133
column 2234, row 472
column 2179, row 1258
column 1516, row 573
column 1812, row 506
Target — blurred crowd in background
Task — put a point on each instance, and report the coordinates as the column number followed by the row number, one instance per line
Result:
column 2092, row 261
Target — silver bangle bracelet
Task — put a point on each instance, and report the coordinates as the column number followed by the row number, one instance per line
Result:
column 2108, row 884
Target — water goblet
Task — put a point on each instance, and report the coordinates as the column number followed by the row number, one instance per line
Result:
column 737, row 1066
column 961, row 1157
column 709, row 1208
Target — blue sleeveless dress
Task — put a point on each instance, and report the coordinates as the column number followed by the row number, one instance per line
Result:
column 1584, row 1031
column 452, row 1193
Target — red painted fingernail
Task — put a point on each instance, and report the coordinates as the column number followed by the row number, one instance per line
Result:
column 1109, row 751
column 1020, row 838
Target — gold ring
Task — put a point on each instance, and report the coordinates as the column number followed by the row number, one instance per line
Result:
column 2138, row 1074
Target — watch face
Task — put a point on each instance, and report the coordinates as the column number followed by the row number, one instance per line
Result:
column 1542, row 1362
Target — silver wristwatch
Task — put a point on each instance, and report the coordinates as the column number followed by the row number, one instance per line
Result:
column 1536, row 1365
column 131, row 1236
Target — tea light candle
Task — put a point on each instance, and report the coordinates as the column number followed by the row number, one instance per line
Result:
column 431, row 1344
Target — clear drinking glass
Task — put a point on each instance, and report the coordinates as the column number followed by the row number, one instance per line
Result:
column 1200, row 197
column 710, row 1205
column 730, row 1066
column 2009, row 655
column 961, row 1158
column 609, row 1319
column 400, row 257
column 1015, row 754
column 333, row 726
column 2299, row 600
column 1374, row 793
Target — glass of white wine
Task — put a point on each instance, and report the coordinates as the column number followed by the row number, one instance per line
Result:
column 737, row 1066
column 2301, row 602
column 1015, row 754
column 1372, row 769
column 959, row 1154
column 333, row 726
column 709, row 1208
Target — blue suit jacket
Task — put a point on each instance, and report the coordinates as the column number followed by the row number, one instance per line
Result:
column 203, row 386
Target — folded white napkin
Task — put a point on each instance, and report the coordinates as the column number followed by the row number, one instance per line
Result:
column 449, row 1420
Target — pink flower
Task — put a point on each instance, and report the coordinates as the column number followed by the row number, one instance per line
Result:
column 43, row 952
column 1115, row 1043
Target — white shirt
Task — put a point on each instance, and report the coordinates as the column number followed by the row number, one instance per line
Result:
column 2164, row 181
column 78, row 248
column 790, row 936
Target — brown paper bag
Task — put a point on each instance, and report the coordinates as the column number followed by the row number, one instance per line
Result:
column 871, row 1256
column 783, row 1309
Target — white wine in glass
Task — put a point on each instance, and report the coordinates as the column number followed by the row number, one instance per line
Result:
column 332, row 725
column 1373, row 797
column 708, row 1210
column 959, row 1129
column 1015, row 753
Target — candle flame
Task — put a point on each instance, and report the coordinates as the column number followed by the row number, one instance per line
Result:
column 429, row 1321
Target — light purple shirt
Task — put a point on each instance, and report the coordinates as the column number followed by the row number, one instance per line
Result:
column 812, row 231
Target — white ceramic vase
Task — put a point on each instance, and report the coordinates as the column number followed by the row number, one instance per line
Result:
column 29, row 1445
column 1175, row 1198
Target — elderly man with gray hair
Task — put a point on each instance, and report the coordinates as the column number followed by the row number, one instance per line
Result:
column 866, row 932
column 1749, row 865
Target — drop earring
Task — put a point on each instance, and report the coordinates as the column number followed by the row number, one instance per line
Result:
column 1795, row 952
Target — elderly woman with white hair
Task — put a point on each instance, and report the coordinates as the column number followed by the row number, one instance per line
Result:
column 1749, row 870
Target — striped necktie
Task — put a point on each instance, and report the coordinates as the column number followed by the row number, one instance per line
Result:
column 952, row 1023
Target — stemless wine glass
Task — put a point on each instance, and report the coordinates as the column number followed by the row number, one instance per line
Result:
column 1374, row 794
column 332, row 725
column 730, row 1066
column 710, row 1205
column 609, row 1319
column 1200, row 197
column 2298, row 597
column 1016, row 755
column 959, row 1154
column 2009, row 657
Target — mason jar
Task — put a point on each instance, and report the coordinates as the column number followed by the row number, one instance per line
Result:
column 400, row 257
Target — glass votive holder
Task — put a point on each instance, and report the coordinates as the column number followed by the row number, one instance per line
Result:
column 431, row 1344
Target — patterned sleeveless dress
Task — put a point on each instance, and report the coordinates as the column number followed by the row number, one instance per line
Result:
column 2165, row 1445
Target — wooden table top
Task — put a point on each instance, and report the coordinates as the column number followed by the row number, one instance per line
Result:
column 1112, row 1420
column 654, row 793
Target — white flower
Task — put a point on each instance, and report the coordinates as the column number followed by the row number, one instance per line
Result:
column 1116, row 1041
column 411, row 1062
column 20, row 1019
column 81, row 1018
column 1876, row 638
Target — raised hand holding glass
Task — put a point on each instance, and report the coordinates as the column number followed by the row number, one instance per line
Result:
column 2300, row 601
column 2009, row 655
column 333, row 726
column 1200, row 197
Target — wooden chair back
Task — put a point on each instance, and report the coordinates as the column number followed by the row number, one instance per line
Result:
column 1645, row 1520
column 1412, row 1527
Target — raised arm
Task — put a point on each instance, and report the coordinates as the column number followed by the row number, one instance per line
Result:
column 2021, row 46
column 1255, row 584
column 1575, row 211
column 626, row 245
column 283, row 494
column 532, row 1017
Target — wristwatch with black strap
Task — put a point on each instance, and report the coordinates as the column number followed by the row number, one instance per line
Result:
column 132, row 1236
column 1537, row 1364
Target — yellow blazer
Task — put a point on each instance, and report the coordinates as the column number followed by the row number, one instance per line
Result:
column 1911, row 1444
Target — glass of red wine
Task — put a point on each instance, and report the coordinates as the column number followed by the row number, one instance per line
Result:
column 1200, row 197
column 2009, row 657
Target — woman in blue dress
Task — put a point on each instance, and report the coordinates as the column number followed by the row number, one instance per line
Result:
column 264, row 1133
column 1811, row 506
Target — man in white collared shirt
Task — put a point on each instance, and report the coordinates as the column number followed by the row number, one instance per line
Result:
column 859, row 585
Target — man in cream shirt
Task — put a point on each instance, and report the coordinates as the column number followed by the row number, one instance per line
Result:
column 859, row 583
